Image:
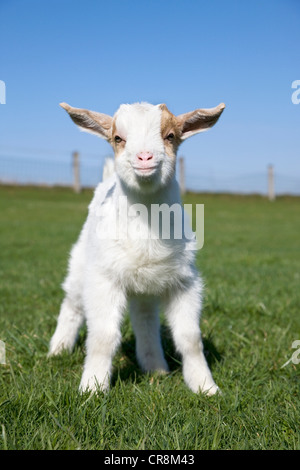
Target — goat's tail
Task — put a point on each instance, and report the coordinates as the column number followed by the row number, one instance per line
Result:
column 108, row 168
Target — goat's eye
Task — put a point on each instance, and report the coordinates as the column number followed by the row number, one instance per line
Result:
column 118, row 139
column 170, row 137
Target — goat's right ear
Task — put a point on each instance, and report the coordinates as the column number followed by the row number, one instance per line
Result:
column 90, row 121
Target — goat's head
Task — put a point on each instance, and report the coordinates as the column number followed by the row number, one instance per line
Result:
column 145, row 138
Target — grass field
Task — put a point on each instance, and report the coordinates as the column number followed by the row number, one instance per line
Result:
column 251, row 316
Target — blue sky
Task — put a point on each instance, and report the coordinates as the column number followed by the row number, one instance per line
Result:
column 188, row 54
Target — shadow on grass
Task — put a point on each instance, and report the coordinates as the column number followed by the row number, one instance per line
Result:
column 128, row 369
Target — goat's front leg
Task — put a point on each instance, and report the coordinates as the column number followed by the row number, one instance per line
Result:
column 183, row 314
column 104, row 304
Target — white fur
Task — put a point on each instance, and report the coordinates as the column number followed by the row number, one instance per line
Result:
column 107, row 274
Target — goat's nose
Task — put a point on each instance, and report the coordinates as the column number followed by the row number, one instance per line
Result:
column 144, row 156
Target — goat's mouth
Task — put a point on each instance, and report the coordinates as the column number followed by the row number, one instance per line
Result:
column 145, row 170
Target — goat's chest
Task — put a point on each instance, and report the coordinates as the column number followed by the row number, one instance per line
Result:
column 151, row 266
column 132, row 253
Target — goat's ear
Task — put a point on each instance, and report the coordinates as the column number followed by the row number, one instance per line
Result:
column 90, row 121
column 199, row 120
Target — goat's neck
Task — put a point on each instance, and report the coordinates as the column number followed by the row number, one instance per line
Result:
column 168, row 194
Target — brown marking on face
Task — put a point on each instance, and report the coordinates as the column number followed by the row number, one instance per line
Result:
column 117, row 146
column 169, row 125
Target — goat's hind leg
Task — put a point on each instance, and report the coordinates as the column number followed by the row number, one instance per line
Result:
column 145, row 322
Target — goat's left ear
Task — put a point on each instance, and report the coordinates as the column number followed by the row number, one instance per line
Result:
column 199, row 120
column 90, row 121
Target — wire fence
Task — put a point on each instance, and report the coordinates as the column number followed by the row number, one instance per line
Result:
column 50, row 170
column 57, row 169
column 248, row 183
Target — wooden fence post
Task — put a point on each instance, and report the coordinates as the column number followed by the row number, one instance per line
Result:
column 181, row 175
column 271, row 188
column 76, row 172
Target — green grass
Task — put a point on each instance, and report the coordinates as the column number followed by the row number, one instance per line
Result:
column 251, row 316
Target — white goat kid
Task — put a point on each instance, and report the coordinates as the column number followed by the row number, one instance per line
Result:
column 108, row 272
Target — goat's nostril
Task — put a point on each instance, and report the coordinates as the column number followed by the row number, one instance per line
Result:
column 144, row 156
